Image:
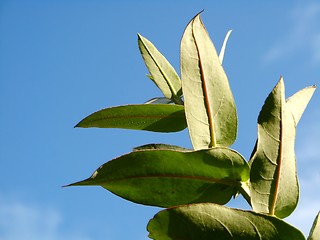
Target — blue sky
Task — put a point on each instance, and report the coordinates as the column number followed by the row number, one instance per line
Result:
column 62, row 60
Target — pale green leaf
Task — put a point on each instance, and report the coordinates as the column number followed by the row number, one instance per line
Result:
column 315, row 230
column 159, row 100
column 209, row 104
column 161, row 71
column 208, row 221
column 273, row 166
column 298, row 102
column 223, row 48
column 167, row 178
column 155, row 117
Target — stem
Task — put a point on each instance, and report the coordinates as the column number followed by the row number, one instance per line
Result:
column 176, row 99
column 245, row 192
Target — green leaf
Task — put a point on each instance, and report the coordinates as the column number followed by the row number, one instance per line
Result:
column 161, row 146
column 167, row 178
column 299, row 101
column 159, row 100
column 161, row 71
column 156, row 118
column 315, row 230
column 209, row 104
column 210, row 221
column 273, row 166
column 223, row 48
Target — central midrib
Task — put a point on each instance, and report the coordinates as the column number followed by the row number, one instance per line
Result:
column 206, row 97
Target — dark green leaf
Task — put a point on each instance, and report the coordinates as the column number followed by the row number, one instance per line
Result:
column 167, row 178
column 209, row 104
column 162, row 73
column 208, row 221
column 161, row 146
column 273, row 166
column 155, row 117
column 315, row 230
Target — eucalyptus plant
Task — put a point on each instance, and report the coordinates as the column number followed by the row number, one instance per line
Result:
column 194, row 184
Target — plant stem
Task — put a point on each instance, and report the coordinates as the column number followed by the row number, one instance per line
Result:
column 245, row 192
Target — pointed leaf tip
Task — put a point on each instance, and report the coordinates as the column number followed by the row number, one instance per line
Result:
column 156, row 118
column 165, row 178
column 224, row 45
column 161, row 71
column 315, row 229
column 273, row 165
column 209, row 104
column 298, row 102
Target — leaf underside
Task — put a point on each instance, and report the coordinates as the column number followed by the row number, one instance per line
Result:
column 168, row 178
column 161, row 146
column 297, row 104
column 159, row 100
column 209, row 104
column 162, row 73
column 273, row 166
column 315, row 230
column 210, row 221
column 155, row 117
column 193, row 183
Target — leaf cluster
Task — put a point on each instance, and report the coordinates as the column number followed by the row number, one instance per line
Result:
column 194, row 184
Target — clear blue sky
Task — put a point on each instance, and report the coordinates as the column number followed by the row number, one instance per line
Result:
column 62, row 60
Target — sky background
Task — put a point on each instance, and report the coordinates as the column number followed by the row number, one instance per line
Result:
column 62, row 60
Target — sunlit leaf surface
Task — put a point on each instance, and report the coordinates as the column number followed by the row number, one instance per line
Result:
column 161, row 71
column 155, row 117
column 209, row 104
column 315, row 230
column 223, row 48
column 168, row 178
column 211, row 221
column 298, row 102
column 274, row 183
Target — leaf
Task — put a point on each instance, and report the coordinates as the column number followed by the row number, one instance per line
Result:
column 315, row 230
column 223, row 48
column 160, row 146
column 299, row 101
column 273, row 166
column 209, row 104
column 210, row 221
column 161, row 71
column 159, row 100
column 156, row 118
column 167, row 178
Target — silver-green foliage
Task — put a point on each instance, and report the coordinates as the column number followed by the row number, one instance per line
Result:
column 193, row 184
